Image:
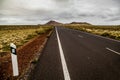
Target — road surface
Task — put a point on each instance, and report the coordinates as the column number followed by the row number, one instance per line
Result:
column 76, row 55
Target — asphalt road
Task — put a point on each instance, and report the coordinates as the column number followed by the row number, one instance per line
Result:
column 76, row 55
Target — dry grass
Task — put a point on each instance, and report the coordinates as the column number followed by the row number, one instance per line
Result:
column 19, row 36
column 106, row 31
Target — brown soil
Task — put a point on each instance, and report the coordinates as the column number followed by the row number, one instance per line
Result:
column 26, row 54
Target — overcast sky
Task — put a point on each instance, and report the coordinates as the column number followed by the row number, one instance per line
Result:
column 40, row 11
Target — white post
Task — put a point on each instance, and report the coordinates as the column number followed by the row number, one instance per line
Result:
column 14, row 59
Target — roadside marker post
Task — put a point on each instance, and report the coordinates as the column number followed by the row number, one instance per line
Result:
column 14, row 59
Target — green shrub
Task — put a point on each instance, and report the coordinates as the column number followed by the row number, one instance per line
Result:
column 108, row 35
column 118, row 37
column 105, row 34
column 30, row 37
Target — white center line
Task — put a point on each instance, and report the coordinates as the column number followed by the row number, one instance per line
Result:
column 113, row 51
column 80, row 36
column 64, row 65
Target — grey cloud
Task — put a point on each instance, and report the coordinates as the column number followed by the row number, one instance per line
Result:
column 1, row 2
column 3, row 21
column 114, row 19
column 62, row 10
column 61, row 0
column 118, row 1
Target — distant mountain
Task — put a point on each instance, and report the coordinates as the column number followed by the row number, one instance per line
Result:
column 85, row 23
column 58, row 23
column 53, row 23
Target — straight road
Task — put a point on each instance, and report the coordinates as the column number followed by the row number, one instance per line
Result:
column 76, row 55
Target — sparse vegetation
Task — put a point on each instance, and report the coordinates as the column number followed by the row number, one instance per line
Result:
column 19, row 34
column 106, row 31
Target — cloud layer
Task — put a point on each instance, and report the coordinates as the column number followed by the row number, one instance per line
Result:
column 41, row 11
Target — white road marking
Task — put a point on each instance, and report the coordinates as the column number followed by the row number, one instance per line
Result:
column 64, row 65
column 113, row 51
column 80, row 36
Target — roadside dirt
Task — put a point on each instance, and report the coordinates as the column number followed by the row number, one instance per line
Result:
column 26, row 54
